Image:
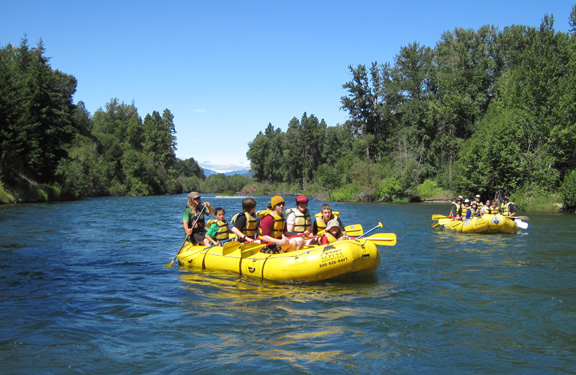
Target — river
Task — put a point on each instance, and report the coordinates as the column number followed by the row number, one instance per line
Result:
column 85, row 291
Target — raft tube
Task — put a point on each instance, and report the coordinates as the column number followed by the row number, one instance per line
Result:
column 312, row 263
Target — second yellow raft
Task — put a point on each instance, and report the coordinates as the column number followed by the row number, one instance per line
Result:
column 482, row 224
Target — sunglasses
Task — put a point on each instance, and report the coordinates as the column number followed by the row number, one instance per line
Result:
column 197, row 199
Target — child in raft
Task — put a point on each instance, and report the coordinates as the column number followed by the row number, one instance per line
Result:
column 333, row 233
column 217, row 228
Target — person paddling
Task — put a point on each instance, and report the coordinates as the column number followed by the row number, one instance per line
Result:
column 193, row 215
column 507, row 208
column 456, row 209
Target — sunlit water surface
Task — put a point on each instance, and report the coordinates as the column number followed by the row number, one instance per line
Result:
column 84, row 290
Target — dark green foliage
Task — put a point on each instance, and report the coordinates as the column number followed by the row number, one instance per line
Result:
column 568, row 190
column 45, row 138
column 484, row 111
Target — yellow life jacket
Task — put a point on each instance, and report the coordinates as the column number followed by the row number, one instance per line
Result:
column 251, row 226
column 479, row 204
column 457, row 209
column 303, row 222
column 320, row 222
column 491, row 210
column 223, row 230
column 279, row 225
column 505, row 208
column 464, row 210
column 331, row 238
column 263, row 213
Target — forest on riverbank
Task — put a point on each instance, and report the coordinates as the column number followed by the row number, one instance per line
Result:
column 487, row 111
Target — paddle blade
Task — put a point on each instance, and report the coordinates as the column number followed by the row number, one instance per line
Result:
column 230, row 247
column 170, row 264
column 521, row 224
column 435, row 225
column 438, row 217
column 385, row 239
column 354, row 230
column 455, row 225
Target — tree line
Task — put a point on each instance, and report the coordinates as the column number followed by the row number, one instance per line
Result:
column 48, row 141
column 485, row 111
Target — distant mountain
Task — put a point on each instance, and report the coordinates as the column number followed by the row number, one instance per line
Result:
column 241, row 172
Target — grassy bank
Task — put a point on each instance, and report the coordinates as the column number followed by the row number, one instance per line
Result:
column 30, row 194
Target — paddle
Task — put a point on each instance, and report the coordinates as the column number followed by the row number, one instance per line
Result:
column 371, row 230
column 181, row 247
column 386, row 239
column 230, row 247
column 524, row 218
column 521, row 224
column 351, row 230
column 438, row 217
column 221, row 242
column 455, row 224
column 354, row 230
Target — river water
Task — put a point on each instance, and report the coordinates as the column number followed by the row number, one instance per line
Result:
column 84, row 290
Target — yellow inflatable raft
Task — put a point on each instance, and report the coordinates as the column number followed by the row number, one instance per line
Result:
column 312, row 263
column 482, row 224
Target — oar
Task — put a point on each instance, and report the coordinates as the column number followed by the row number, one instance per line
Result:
column 230, row 247
column 438, row 217
column 386, row 239
column 523, row 218
column 354, row 230
column 521, row 224
column 455, row 224
column 371, row 230
column 351, row 230
column 181, row 247
column 221, row 242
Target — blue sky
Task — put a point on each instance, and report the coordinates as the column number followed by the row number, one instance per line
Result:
column 225, row 69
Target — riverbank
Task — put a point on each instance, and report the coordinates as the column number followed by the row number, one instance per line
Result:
column 28, row 191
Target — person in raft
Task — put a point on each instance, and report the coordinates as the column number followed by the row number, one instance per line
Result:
column 494, row 210
column 507, row 208
column 323, row 217
column 298, row 221
column 194, row 215
column 473, row 211
column 218, row 227
column 478, row 201
column 333, row 233
column 486, row 208
column 465, row 209
column 245, row 223
column 273, row 228
column 456, row 209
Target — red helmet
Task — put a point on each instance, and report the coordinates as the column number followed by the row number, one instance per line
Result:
column 301, row 198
